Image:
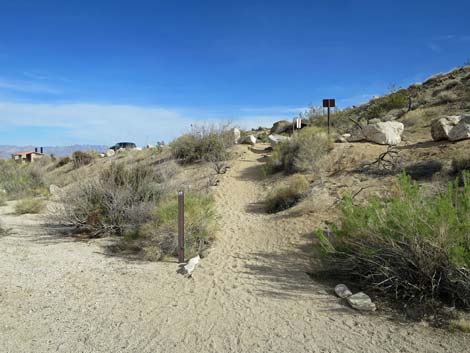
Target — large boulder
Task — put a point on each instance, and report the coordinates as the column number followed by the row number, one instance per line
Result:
column 440, row 128
column 248, row 140
column 281, row 126
column 361, row 301
column 275, row 139
column 384, row 133
column 461, row 131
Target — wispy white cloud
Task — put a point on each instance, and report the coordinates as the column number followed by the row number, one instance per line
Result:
column 25, row 86
column 108, row 123
column 44, row 76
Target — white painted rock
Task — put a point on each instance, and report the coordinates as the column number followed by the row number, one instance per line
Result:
column 440, row 128
column 110, row 153
column 342, row 291
column 191, row 265
column 461, row 131
column 361, row 301
column 384, row 132
column 277, row 139
column 149, row 146
column 236, row 135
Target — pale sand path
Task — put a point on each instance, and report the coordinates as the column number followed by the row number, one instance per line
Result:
column 252, row 294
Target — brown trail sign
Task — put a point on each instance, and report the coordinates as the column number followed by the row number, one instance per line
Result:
column 328, row 103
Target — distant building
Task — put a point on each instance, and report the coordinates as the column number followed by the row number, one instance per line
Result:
column 26, row 157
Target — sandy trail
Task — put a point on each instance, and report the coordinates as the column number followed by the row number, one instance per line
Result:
column 252, row 294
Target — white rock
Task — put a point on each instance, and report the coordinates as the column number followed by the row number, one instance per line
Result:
column 384, row 132
column 342, row 291
column 440, row 128
column 54, row 190
column 277, row 139
column 361, row 301
column 236, row 135
column 461, row 131
column 149, row 146
column 249, row 140
column 191, row 265
column 137, row 149
column 110, row 153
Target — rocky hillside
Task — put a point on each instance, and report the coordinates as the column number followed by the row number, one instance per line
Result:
column 415, row 106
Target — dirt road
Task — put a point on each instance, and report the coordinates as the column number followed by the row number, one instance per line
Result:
column 252, row 293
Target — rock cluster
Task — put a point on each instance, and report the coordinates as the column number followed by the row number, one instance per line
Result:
column 359, row 301
column 452, row 128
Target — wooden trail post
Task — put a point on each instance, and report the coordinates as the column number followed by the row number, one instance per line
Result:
column 181, row 226
column 328, row 103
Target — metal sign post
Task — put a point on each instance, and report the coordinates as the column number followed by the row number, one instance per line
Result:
column 328, row 103
column 181, row 226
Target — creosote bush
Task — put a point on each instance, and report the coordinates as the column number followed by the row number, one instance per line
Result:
column 203, row 143
column 120, row 199
column 29, row 206
column 21, row 180
column 63, row 161
column 80, row 158
column 287, row 196
column 301, row 153
column 410, row 247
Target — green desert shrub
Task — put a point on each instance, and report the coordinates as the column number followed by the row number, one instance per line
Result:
column 29, row 205
column 287, row 196
column 382, row 105
column 460, row 164
column 80, row 158
column 301, row 153
column 159, row 236
column 21, row 180
column 120, row 199
column 409, row 246
column 203, row 143
column 63, row 161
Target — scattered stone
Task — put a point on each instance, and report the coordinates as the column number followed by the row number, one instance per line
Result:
column 110, row 153
column 341, row 139
column 440, row 128
column 461, row 131
column 342, row 291
column 191, row 265
column 54, row 190
column 361, row 301
column 277, row 139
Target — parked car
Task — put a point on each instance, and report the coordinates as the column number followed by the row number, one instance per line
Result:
column 123, row 145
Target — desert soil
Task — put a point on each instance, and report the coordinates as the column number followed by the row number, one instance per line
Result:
column 251, row 294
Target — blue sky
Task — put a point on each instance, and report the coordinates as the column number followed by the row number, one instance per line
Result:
column 103, row 71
